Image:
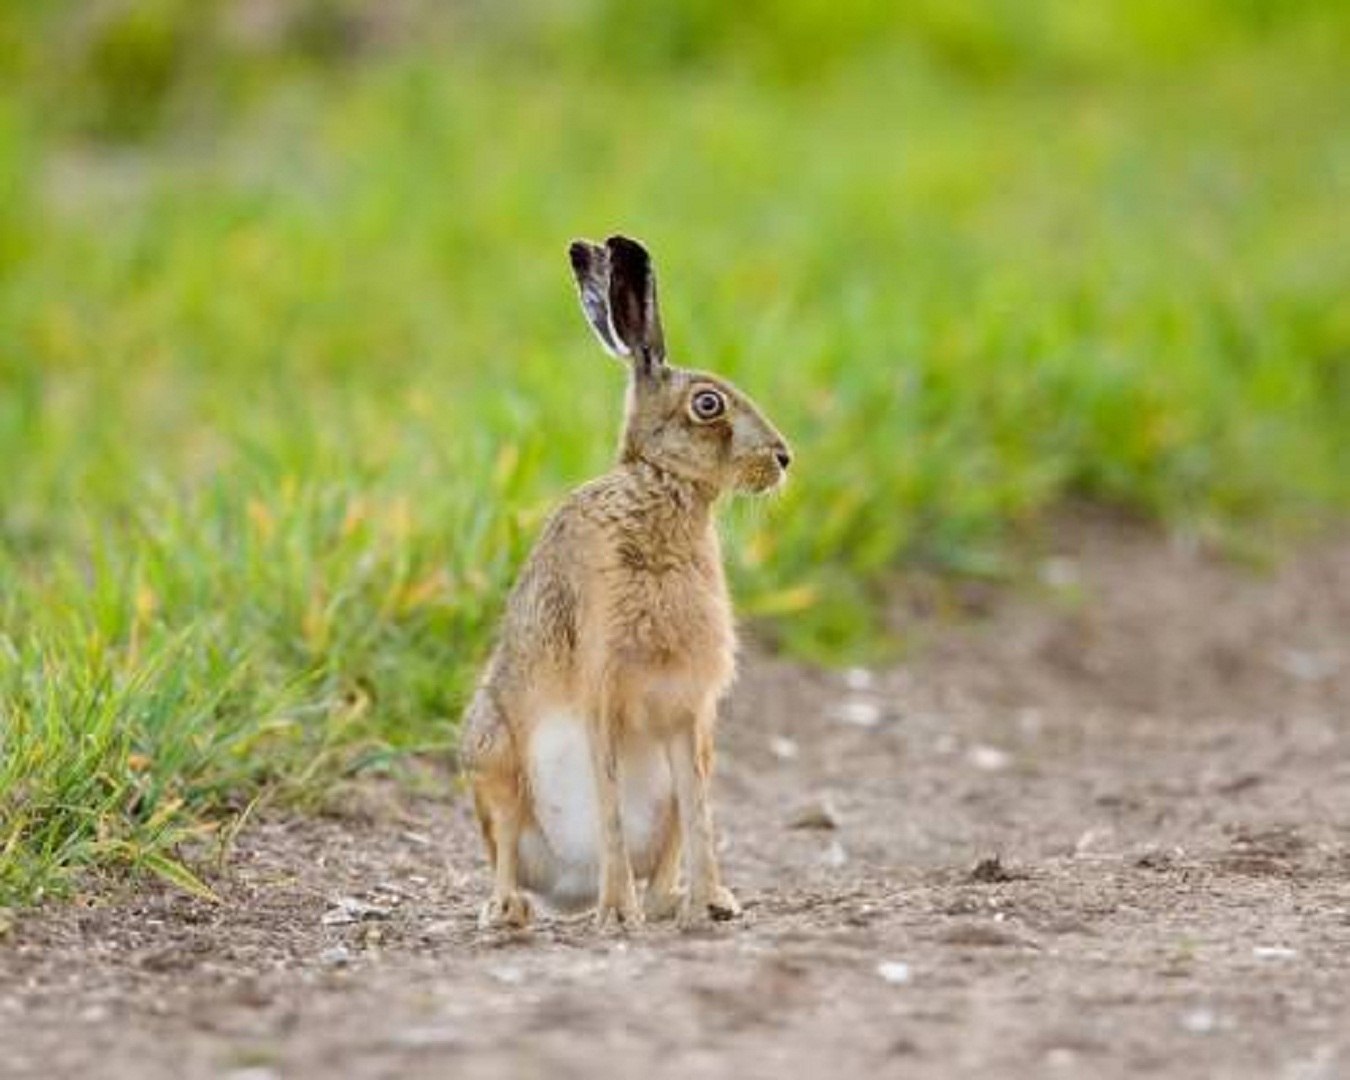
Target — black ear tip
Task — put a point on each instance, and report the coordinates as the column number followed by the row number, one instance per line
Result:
column 628, row 250
column 579, row 252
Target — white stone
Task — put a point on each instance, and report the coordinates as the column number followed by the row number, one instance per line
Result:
column 859, row 712
column 783, row 748
column 989, row 758
column 895, row 972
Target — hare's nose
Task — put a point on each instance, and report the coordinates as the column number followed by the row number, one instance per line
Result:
column 784, row 458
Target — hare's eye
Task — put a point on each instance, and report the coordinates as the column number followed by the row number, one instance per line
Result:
column 708, row 405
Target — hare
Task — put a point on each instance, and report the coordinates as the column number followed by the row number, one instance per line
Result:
column 589, row 739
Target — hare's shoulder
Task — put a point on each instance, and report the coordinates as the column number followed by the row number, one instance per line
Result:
column 586, row 511
column 580, row 535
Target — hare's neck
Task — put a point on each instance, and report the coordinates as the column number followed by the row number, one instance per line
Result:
column 673, row 508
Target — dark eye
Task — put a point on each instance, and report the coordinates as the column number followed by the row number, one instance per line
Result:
column 708, row 405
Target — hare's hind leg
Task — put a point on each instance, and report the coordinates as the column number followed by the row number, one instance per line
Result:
column 691, row 762
column 499, row 801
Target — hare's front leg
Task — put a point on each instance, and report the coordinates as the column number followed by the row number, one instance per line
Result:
column 617, row 901
column 691, row 763
column 664, row 897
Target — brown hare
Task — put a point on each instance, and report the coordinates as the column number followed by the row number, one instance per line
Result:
column 589, row 740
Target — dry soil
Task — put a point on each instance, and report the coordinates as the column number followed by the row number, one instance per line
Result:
column 1101, row 829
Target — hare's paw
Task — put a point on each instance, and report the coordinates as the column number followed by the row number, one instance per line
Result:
column 719, row 905
column 508, row 912
column 618, row 909
column 723, row 906
column 659, row 905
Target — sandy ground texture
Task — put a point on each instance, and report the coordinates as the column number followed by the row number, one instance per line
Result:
column 1103, row 829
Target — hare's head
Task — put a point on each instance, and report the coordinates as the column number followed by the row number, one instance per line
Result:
column 689, row 423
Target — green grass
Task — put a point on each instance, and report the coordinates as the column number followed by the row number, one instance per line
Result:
column 290, row 367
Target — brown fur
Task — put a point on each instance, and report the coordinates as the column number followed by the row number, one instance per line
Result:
column 621, row 613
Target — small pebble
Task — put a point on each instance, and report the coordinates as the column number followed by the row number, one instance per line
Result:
column 1060, row 572
column 819, row 813
column 337, row 956
column 508, row 974
column 348, row 910
column 425, row 1038
column 859, row 678
column 859, row 712
column 1306, row 666
column 988, row 758
column 783, row 748
column 895, row 972
column 835, row 856
column 1274, row 952
column 990, row 870
column 1091, row 839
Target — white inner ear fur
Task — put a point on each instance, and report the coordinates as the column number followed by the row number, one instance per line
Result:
column 621, row 349
column 595, row 306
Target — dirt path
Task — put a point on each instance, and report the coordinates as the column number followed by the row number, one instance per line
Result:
column 1157, row 750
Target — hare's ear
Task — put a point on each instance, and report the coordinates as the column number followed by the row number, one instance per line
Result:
column 590, row 264
column 633, row 312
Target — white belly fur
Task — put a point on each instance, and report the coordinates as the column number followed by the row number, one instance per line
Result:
column 560, row 860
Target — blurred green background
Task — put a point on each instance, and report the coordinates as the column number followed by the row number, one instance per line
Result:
column 291, row 368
